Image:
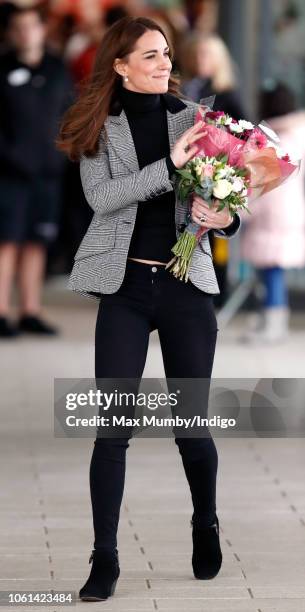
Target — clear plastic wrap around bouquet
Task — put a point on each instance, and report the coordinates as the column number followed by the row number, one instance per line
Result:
column 236, row 162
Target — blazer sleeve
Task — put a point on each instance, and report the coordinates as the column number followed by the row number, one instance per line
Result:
column 231, row 230
column 106, row 194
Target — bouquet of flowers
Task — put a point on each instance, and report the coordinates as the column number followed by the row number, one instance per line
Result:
column 236, row 162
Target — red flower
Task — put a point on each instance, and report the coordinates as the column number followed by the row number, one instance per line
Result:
column 286, row 158
column 214, row 114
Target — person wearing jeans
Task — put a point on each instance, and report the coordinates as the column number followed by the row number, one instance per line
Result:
column 128, row 162
column 273, row 240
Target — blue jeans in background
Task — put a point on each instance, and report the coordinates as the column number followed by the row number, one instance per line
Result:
column 276, row 293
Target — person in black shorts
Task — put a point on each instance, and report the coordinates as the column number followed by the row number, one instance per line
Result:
column 35, row 90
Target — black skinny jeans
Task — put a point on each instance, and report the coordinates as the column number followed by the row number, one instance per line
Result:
column 149, row 298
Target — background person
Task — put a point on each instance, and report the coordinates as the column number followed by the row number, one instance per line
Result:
column 35, row 89
column 273, row 239
column 207, row 69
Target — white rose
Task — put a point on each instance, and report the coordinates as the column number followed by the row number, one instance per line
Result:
column 246, row 125
column 222, row 189
column 236, row 128
column 238, row 185
column 221, row 174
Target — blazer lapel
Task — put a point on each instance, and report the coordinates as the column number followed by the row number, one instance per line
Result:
column 179, row 119
column 120, row 136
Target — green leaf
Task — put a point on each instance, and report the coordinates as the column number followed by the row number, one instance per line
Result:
column 221, row 207
column 186, row 174
column 223, row 158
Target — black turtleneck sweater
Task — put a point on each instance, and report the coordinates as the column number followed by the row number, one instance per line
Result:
column 154, row 232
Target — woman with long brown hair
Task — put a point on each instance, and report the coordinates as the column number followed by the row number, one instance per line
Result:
column 130, row 129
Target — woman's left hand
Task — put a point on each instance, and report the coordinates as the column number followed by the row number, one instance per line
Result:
column 213, row 219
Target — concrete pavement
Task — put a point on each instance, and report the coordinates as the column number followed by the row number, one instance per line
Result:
column 46, row 526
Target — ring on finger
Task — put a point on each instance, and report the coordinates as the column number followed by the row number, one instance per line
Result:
column 203, row 217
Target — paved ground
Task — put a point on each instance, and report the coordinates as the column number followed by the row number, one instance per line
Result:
column 46, row 528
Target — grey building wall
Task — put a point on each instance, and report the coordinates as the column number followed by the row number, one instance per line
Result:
column 239, row 25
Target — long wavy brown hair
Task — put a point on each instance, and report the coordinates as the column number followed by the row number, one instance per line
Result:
column 82, row 123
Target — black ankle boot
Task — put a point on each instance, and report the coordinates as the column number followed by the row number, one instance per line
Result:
column 103, row 576
column 207, row 555
column 7, row 328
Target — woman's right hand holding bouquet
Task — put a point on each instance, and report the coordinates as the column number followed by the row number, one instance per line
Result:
column 182, row 151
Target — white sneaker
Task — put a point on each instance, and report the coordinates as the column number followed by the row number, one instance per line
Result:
column 255, row 322
column 275, row 328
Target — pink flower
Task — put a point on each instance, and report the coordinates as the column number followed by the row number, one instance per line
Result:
column 208, row 171
column 258, row 139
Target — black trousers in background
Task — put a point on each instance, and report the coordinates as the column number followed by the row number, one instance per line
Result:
column 150, row 298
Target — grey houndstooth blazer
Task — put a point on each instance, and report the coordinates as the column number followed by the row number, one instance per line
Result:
column 113, row 185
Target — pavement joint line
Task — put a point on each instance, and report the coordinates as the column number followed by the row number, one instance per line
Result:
column 244, row 575
column 148, row 583
column 302, row 521
column 136, row 537
column 229, row 543
column 155, row 604
column 236, row 556
column 283, row 493
column 250, row 593
column 142, row 550
column 38, row 484
column 149, row 563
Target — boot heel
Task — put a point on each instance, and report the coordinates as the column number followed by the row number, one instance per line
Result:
column 113, row 587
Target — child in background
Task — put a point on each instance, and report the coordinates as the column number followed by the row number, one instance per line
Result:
column 273, row 237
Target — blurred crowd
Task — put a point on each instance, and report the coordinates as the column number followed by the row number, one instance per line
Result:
column 46, row 50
